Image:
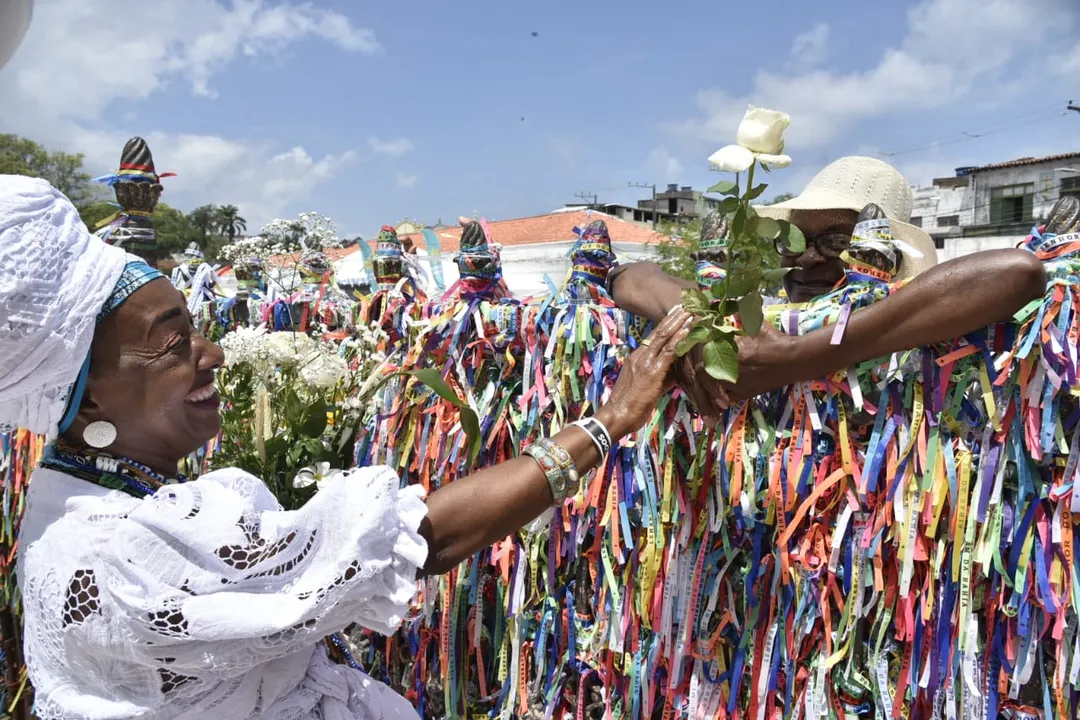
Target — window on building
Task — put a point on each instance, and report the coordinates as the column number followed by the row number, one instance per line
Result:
column 916, row 221
column 948, row 221
column 1071, row 186
column 1012, row 204
column 939, row 242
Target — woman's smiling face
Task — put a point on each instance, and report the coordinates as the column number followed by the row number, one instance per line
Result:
column 152, row 376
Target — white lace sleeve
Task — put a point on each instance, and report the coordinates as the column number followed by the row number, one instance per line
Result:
column 212, row 575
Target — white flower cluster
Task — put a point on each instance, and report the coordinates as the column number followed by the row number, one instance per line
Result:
column 309, row 230
column 319, row 365
column 260, row 248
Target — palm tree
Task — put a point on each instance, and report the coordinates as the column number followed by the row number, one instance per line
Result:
column 229, row 222
column 204, row 218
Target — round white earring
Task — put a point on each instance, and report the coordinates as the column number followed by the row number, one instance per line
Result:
column 99, row 434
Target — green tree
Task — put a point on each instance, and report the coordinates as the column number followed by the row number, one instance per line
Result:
column 203, row 218
column 229, row 222
column 22, row 156
column 174, row 231
column 675, row 253
column 782, row 197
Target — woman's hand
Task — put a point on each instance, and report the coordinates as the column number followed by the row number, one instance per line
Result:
column 645, row 376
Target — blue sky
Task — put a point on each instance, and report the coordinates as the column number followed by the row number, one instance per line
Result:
column 373, row 112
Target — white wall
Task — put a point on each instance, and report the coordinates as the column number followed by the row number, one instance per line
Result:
column 524, row 266
column 958, row 247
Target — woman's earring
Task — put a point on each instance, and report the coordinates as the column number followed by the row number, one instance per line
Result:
column 99, row 434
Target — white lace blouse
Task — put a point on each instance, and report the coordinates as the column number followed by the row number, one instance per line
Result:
column 209, row 601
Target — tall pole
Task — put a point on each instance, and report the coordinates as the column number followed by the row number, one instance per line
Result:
column 653, row 187
column 586, row 195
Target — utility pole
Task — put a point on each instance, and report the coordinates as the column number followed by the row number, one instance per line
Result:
column 586, row 195
column 653, row 188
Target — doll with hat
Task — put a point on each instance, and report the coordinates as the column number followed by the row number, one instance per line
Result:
column 479, row 264
column 591, row 259
column 137, row 186
column 184, row 273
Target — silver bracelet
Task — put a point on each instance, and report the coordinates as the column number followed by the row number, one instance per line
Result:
column 558, row 467
column 598, row 433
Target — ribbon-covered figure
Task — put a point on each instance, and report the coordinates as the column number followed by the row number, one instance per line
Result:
column 137, row 186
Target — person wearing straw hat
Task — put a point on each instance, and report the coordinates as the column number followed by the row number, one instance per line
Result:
column 935, row 303
column 146, row 595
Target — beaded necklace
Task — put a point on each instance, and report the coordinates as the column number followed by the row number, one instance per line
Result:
column 108, row 471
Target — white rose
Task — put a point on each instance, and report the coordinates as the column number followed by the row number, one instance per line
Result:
column 762, row 131
column 760, row 137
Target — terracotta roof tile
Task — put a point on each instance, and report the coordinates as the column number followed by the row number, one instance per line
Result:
column 552, row 228
column 1020, row 162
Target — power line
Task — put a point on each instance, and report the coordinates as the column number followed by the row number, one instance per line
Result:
column 1038, row 115
column 653, row 187
column 586, row 195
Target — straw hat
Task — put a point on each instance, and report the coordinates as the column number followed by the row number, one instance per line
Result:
column 851, row 183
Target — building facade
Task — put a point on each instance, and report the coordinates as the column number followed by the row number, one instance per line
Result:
column 993, row 206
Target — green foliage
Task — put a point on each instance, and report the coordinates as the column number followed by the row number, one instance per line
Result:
column 208, row 225
column 228, row 222
column 675, row 254
column 782, row 197
column 21, row 156
column 752, row 268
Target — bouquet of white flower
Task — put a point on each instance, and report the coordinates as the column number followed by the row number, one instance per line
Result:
column 292, row 403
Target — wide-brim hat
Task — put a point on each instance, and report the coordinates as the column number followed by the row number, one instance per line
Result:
column 852, row 183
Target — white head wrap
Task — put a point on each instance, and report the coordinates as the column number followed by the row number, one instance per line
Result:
column 54, row 279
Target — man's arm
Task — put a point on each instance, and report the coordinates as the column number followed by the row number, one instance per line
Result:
column 645, row 290
column 947, row 301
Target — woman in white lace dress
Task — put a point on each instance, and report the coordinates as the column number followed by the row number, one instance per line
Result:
column 148, row 596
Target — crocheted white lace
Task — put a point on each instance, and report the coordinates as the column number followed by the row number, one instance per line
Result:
column 209, row 601
column 54, row 279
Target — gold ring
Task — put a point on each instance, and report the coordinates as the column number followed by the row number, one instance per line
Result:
column 647, row 341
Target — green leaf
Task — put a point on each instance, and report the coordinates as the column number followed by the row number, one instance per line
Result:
column 724, row 187
column 774, row 274
column 469, row 422
column 730, row 307
column 722, row 360
column 728, row 205
column 314, row 419
column 695, row 302
column 793, row 238
column 738, row 223
column 767, row 228
column 750, row 313
column 719, row 290
column 754, row 193
column 742, row 281
column 698, row 334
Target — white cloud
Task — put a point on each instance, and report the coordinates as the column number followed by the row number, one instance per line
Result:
column 390, row 148
column 87, row 63
column 810, row 47
column 661, row 161
column 950, row 47
column 406, row 181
